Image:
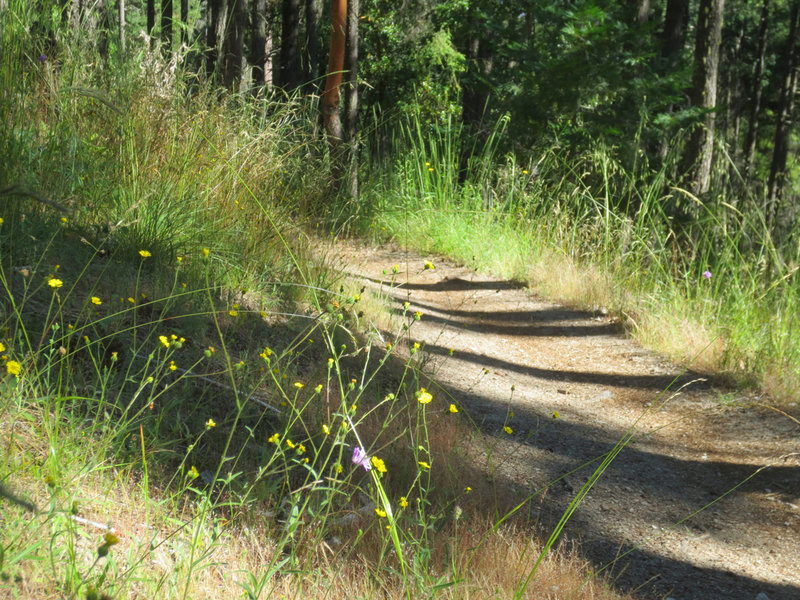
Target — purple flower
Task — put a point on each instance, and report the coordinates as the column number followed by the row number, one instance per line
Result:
column 706, row 274
column 42, row 58
column 360, row 458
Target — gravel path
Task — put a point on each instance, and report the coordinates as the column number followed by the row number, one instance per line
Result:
column 694, row 449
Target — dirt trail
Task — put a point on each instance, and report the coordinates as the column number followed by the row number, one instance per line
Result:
column 689, row 451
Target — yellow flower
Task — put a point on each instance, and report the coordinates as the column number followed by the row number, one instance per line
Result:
column 380, row 513
column 131, row 300
column 2, row 347
column 1, row 220
column 318, row 389
column 179, row 258
column 423, row 397
column 275, row 438
column 193, row 472
column 326, row 430
column 164, row 341
column 423, row 464
column 111, row 539
column 338, row 468
column 172, row 366
column 508, row 430
column 403, row 502
column 555, row 414
column 145, row 253
column 206, row 252
column 467, row 489
column 13, row 368
column 379, row 465
column 96, row 300
column 298, row 384
column 290, row 444
column 301, row 449
column 429, row 265
column 210, row 423
column 453, row 408
column 54, row 283
column 233, row 313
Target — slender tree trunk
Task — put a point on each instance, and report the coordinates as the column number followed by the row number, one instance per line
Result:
column 212, row 24
column 151, row 16
column 755, row 90
column 121, row 11
column 333, row 81
column 700, row 150
column 185, row 21
column 641, row 12
column 351, row 95
column 258, row 48
column 166, row 23
column 777, row 172
column 672, row 35
column 313, row 52
column 290, row 68
column 233, row 46
column 220, row 37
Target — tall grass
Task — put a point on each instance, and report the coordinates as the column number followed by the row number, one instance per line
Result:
column 585, row 229
column 185, row 380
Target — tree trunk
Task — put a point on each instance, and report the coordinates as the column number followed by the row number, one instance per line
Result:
column 351, row 96
column 151, row 16
column 212, row 24
column 313, row 52
column 258, row 48
column 641, row 12
column 333, row 81
column 700, row 150
column 166, row 23
column 185, row 21
column 674, row 27
column 777, row 171
column 220, row 36
column 755, row 90
column 121, row 11
column 233, row 45
column 290, row 68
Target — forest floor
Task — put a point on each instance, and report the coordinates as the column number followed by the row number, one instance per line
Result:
column 704, row 503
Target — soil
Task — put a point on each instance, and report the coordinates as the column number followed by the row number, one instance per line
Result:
column 704, row 503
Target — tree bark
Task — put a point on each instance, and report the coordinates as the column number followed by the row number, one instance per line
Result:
column 700, row 150
column 351, row 96
column 121, row 11
column 185, row 21
column 220, row 34
column 258, row 48
column 290, row 68
column 313, row 52
column 755, row 90
column 151, row 16
column 233, row 46
column 333, row 81
column 166, row 23
column 674, row 27
column 212, row 24
column 777, row 171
